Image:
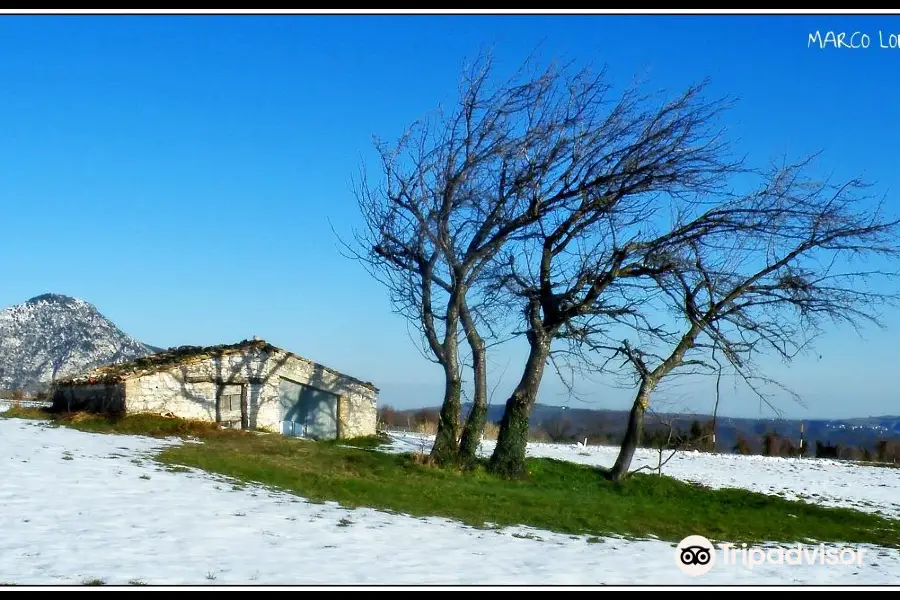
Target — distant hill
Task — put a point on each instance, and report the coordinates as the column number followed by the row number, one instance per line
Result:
column 608, row 426
column 52, row 335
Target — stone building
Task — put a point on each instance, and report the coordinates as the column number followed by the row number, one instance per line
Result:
column 249, row 385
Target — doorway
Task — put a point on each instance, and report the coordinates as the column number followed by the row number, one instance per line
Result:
column 308, row 411
column 231, row 410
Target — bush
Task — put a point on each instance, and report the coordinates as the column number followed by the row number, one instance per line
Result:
column 887, row 451
column 422, row 421
column 827, row 450
column 742, row 446
column 776, row 445
column 425, row 421
column 491, row 430
column 701, row 436
column 559, row 430
column 388, row 417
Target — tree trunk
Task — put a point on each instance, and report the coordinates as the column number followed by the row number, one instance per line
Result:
column 446, row 443
column 472, row 433
column 474, row 427
column 508, row 459
column 632, row 433
column 445, row 450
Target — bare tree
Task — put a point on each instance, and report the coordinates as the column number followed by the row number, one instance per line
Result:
column 765, row 273
column 399, row 251
column 572, row 271
column 667, row 442
column 492, row 174
column 459, row 188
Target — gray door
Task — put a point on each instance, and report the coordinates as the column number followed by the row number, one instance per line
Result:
column 229, row 407
column 308, row 412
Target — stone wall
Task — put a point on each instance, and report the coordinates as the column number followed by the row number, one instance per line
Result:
column 189, row 391
column 166, row 392
column 357, row 416
column 101, row 398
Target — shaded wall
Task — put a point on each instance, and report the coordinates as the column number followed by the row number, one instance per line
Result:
column 357, row 412
column 99, row 398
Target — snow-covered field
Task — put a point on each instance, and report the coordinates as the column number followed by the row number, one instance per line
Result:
column 76, row 507
column 820, row 481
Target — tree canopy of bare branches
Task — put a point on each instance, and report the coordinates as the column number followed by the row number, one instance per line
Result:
column 461, row 187
column 572, row 272
column 611, row 228
column 766, row 273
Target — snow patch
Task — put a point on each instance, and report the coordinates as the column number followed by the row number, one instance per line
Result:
column 77, row 506
column 819, row 481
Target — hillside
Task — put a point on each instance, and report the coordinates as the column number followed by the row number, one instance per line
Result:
column 376, row 516
column 52, row 335
column 565, row 424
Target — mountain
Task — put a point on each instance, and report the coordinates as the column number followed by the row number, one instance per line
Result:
column 51, row 336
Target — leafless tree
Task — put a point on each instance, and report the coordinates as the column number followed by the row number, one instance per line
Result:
column 572, row 271
column 457, row 190
column 765, row 272
column 559, row 429
column 397, row 249
column 594, row 213
column 669, row 441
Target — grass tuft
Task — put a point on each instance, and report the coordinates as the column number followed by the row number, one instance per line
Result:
column 370, row 441
column 21, row 412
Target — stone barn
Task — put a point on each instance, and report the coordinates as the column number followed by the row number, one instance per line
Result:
column 250, row 385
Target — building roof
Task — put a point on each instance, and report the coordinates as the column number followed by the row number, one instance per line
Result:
column 174, row 357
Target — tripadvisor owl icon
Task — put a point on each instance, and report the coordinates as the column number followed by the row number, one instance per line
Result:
column 695, row 555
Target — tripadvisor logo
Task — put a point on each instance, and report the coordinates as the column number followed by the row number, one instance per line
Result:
column 695, row 555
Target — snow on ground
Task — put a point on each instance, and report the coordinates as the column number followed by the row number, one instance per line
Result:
column 819, row 481
column 76, row 507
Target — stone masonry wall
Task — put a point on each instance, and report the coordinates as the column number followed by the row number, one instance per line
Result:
column 188, row 391
column 357, row 416
column 165, row 392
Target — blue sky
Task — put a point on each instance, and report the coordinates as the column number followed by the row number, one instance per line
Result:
column 183, row 173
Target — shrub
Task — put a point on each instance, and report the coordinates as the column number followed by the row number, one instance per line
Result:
column 887, row 451
column 388, row 417
column 425, row 421
column 559, row 430
column 827, row 450
column 491, row 430
column 742, row 447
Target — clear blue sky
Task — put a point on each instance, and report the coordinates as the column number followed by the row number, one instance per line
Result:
column 180, row 172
